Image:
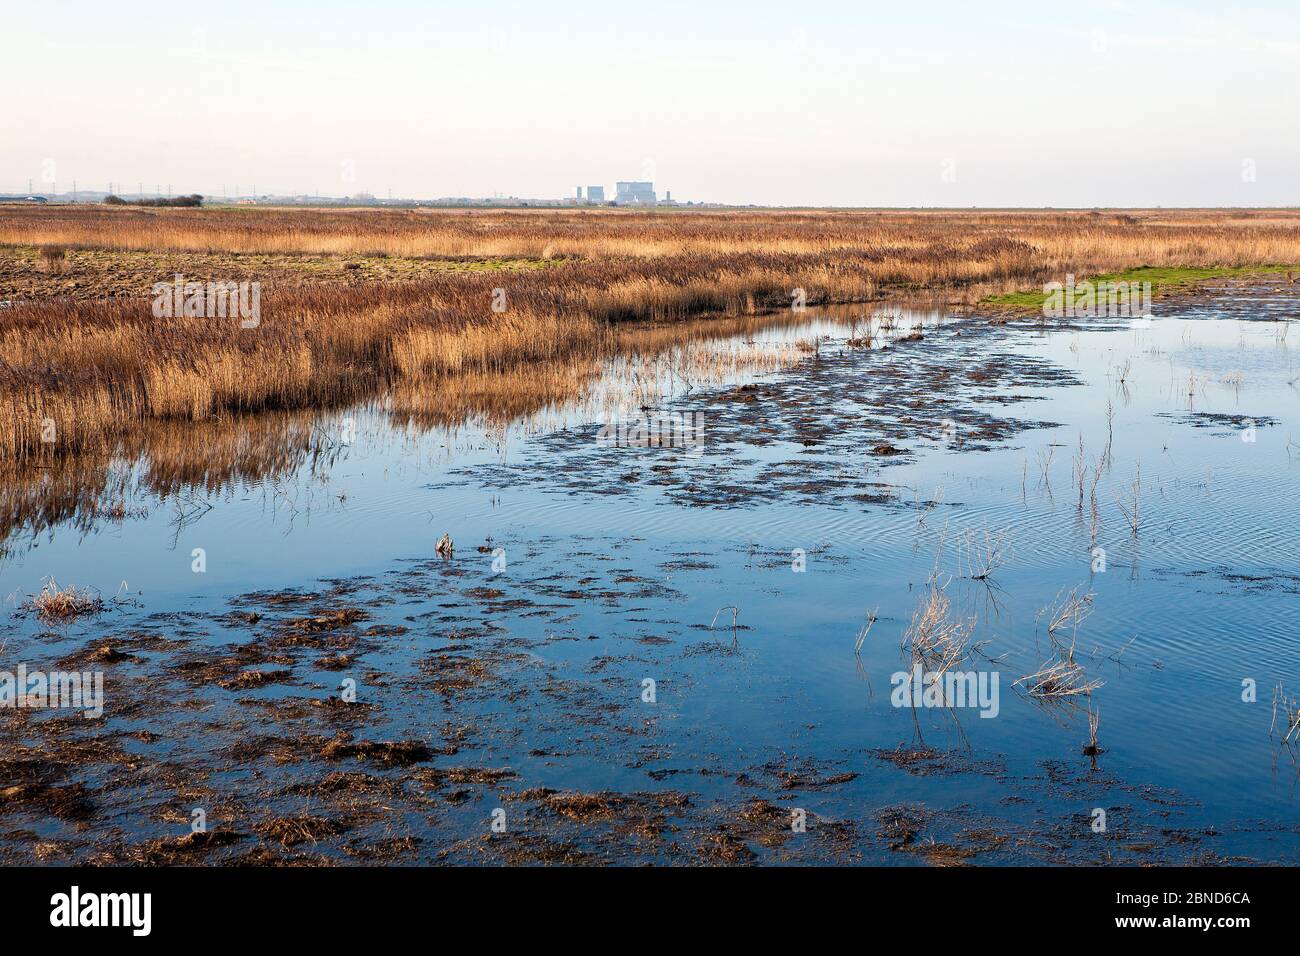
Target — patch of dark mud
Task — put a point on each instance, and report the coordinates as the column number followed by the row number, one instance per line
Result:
column 1218, row 423
column 290, row 774
column 838, row 420
column 922, row 761
column 1261, row 581
column 67, row 802
column 803, row 775
column 401, row 753
column 962, row 836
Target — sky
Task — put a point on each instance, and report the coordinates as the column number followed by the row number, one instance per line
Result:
column 826, row 103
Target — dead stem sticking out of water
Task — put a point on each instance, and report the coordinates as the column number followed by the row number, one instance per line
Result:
column 735, row 611
column 934, row 637
column 985, row 557
column 1070, row 612
column 865, row 630
column 1061, row 678
column 1289, row 709
column 1092, row 749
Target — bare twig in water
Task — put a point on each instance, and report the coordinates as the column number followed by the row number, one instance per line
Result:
column 861, row 640
column 1110, row 430
column 735, row 641
column 1289, row 708
column 930, row 505
column 934, row 638
column 937, row 642
column 865, row 630
column 1070, row 612
column 983, row 558
column 1094, row 525
column 1124, row 372
column 1120, row 653
column 1060, row 679
column 1080, row 472
column 1045, row 456
column 1094, row 725
column 1133, row 511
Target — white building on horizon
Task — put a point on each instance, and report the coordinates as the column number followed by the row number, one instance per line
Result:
column 635, row 194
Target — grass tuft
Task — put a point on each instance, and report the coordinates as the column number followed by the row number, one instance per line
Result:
column 56, row 603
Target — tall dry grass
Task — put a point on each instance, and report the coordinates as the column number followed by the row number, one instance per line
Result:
column 93, row 370
column 169, row 457
column 1089, row 238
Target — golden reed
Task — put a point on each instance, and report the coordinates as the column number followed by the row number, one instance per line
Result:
column 77, row 375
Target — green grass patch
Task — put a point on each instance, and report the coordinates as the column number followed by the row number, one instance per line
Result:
column 1164, row 280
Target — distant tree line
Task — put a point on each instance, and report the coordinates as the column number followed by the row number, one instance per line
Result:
column 194, row 200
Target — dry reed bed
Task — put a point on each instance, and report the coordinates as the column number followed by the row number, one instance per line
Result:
column 1092, row 239
column 97, row 369
column 216, row 454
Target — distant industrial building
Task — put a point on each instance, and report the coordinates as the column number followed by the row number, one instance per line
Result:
column 635, row 194
column 627, row 193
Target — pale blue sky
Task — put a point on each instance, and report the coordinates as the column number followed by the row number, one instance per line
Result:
column 818, row 102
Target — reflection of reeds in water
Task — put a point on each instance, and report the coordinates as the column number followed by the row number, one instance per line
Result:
column 163, row 459
column 225, row 453
column 79, row 375
column 72, row 490
column 171, row 458
column 615, row 371
column 490, row 401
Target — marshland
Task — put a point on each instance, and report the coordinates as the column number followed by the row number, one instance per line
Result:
column 366, row 584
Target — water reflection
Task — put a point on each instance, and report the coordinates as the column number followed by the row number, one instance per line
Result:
column 180, row 463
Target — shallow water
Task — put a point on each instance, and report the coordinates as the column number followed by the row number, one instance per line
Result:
column 889, row 466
